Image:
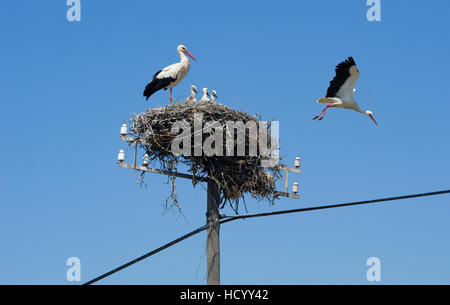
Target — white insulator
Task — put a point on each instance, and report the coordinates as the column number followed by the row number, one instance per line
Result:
column 297, row 162
column 295, row 188
column 124, row 130
column 146, row 160
column 121, row 156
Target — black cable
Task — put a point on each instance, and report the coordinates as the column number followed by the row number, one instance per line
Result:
column 322, row 207
column 231, row 218
column 134, row 261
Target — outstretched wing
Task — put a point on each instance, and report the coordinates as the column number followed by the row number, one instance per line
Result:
column 344, row 82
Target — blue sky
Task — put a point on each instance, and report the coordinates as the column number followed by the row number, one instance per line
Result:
column 66, row 87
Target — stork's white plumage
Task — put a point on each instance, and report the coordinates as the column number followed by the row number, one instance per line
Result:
column 213, row 96
column 191, row 98
column 205, row 97
column 341, row 89
column 171, row 75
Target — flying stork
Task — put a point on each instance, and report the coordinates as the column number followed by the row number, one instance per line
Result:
column 205, row 97
column 170, row 76
column 340, row 91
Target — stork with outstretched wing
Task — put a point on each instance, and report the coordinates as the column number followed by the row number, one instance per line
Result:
column 341, row 89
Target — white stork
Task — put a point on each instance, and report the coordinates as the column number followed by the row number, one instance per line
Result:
column 213, row 96
column 340, row 91
column 171, row 75
column 191, row 98
column 205, row 97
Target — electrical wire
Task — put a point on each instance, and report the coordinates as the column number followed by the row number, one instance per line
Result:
column 322, row 207
column 232, row 218
column 134, row 261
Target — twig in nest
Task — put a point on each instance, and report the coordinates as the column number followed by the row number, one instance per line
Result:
column 141, row 179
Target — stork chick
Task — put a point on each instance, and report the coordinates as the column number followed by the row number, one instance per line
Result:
column 191, row 98
column 213, row 96
column 205, row 96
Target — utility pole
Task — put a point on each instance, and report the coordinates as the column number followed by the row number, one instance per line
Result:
column 212, row 237
column 212, row 202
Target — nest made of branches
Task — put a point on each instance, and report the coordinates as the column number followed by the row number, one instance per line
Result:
column 234, row 175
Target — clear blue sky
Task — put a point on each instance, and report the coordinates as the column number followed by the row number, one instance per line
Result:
column 67, row 87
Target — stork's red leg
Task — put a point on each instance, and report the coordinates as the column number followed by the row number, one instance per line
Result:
column 325, row 110
column 171, row 95
column 321, row 115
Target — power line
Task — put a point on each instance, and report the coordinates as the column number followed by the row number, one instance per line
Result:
column 134, row 261
column 232, row 218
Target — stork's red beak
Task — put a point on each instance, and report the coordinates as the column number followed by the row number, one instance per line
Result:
column 373, row 119
column 189, row 54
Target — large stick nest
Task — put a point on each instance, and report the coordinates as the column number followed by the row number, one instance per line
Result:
column 234, row 175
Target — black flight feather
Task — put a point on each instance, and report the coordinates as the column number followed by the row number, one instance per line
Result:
column 342, row 74
column 157, row 84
